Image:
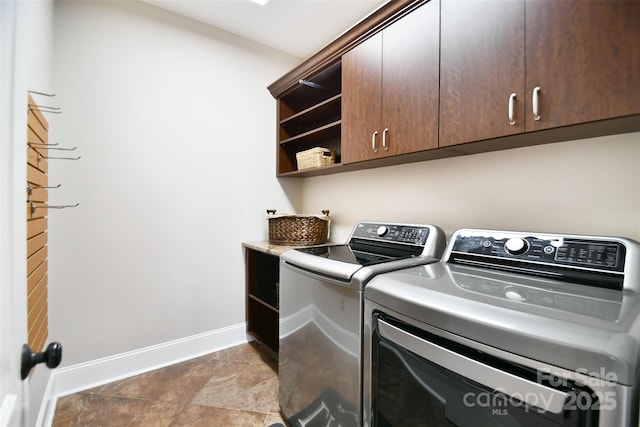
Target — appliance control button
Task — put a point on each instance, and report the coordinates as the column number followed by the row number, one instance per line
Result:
column 382, row 231
column 514, row 294
column 516, row 246
column 548, row 249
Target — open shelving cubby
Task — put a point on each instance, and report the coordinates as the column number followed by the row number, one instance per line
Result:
column 309, row 116
column 262, row 277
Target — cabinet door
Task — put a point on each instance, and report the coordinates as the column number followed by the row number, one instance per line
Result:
column 410, row 81
column 585, row 58
column 482, row 64
column 361, row 94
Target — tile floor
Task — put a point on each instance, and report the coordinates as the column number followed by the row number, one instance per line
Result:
column 233, row 387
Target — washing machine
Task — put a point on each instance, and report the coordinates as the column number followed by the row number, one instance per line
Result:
column 321, row 303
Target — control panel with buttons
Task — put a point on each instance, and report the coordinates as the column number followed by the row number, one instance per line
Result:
column 558, row 256
column 397, row 233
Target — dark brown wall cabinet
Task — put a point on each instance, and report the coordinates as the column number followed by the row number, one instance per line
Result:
column 390, row 89
column 524, row 66
column 419, row 80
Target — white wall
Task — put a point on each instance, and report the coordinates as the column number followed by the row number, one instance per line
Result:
column 176, row 131
column 40, row 50
column 589, row 186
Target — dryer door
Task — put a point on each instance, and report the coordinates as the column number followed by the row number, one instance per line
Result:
column 424, row 380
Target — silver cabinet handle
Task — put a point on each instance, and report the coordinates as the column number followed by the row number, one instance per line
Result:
column 384, row 139
column 373, row 141
column 511, row 98
column 536, row 91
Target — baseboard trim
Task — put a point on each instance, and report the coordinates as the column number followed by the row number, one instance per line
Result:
column 8, row 409
column 83, row 376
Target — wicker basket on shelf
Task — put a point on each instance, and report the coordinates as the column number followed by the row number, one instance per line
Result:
column 298, row 230
column 315, row 158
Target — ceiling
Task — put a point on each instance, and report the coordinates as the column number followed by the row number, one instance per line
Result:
column 297, row 27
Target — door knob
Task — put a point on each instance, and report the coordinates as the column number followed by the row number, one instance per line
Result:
column 52, row 357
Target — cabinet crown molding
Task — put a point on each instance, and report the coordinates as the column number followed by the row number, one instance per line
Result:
column 382, row 17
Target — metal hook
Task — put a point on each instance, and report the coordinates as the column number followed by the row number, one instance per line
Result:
column 41, row 93
column 31, row 187
column 42, row 143
column 34, row 207
column 40, row 157
column 44, row 108
column 47, row 146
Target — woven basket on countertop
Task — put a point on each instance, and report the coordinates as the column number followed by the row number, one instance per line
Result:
column 315, row 158
column 298, row 230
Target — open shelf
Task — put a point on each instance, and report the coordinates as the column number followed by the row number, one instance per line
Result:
column 310, row 116
column 262, row 278
column 319, row 134
column 262, row 324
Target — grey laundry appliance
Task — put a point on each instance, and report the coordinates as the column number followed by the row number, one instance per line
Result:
column 509, row 329
column 321, row 303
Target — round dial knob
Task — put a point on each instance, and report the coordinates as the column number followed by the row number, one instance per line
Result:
column 382, row 231
column 516, row 246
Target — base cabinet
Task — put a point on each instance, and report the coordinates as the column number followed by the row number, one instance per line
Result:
column 262, row 314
